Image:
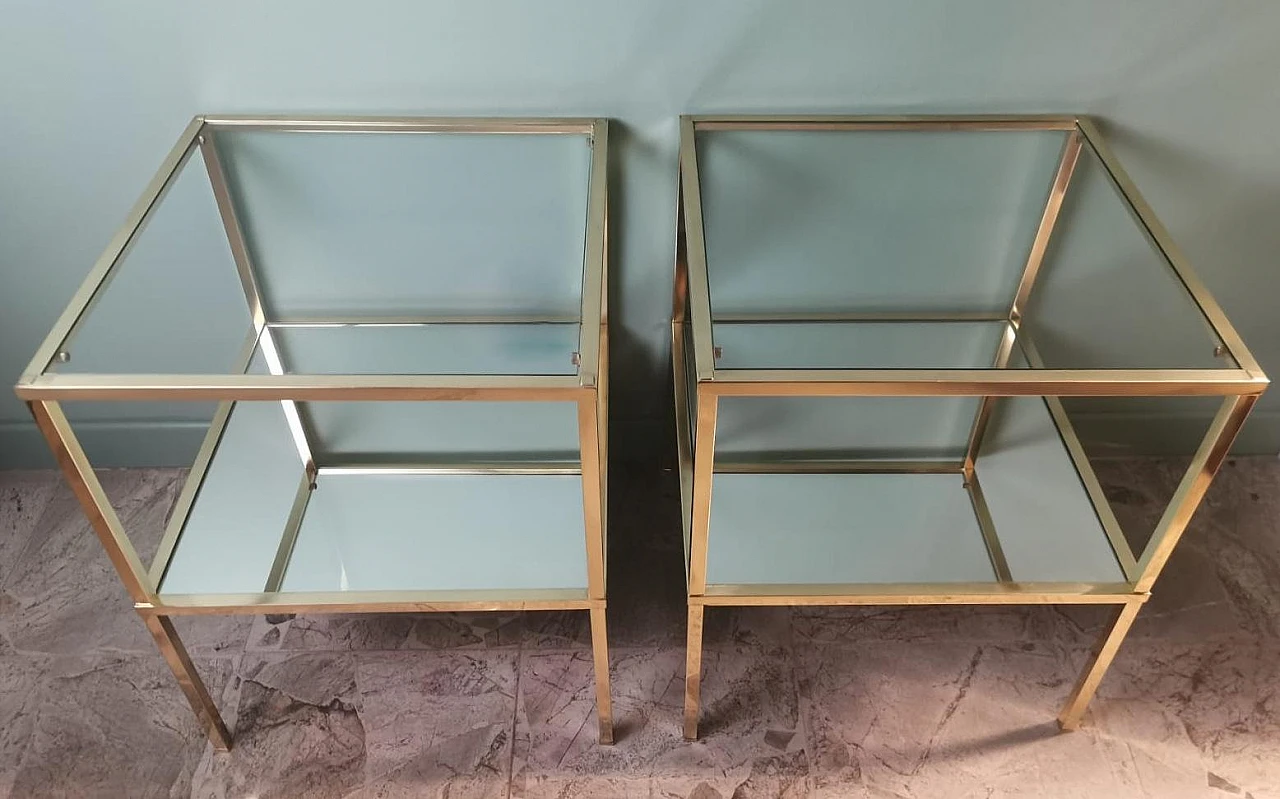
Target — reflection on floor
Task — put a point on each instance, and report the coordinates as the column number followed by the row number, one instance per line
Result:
column 813, row 703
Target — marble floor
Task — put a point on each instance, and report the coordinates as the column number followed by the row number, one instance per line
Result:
column 878, row 702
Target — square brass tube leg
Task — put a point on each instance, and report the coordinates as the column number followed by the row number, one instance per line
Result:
column 600, row 652
column 176, row 656
column 1104, row 652
column 693, row 672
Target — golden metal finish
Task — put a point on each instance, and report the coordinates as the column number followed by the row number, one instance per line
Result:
column 695, row 250
column 190, row 490
column 600, row 659
column 684, row 436
column 988, row 527
column 693, row 671
column 594, row 262
column 839, row 467
column 906, row 122
column 422, row 321
column 602, row 433
column 1104, row 652
column 680, row 378
column 1084, row 470
column 275, row 365
column 865, row 316
column 680, row 281
column 249, row 284
column 918, row 594
column 1217, row 443
column 195, row 478
column 1067, row 166
column 592, row 496
column 175, row 654
column 457, row 388
column 983, row 415
column 93, row 499
column 290, row 535
column 1097, row 495
column 703, row 467
column 982, row 382
column 369, row 602
column 692, row 311
column 449, row 467
column 362, row 124
column 231, row 224
column 119, row 246
column 588, row 389
column 1159, row 236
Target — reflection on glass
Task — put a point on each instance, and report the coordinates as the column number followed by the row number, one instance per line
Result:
column 357, row 228
column 1137, row 449
column 440, row 349
column 412, row 224
column 827, row 221
column 234, row 528
column 174, row 304
column 921, row 231
column 857, row 345
column 1041, row 510
column 1106, row 296
column 838, row 529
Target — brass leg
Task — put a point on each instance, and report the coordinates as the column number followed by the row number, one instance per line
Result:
column 600, row 649
column 1104, row 652
column 693, row 672
column 176, row 656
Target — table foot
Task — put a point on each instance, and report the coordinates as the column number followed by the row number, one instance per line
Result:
column 1103, row 653
column 693, row 672
column 600, row 652
column 175, row 654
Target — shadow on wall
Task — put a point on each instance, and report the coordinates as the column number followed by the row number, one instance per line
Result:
column 641, row 409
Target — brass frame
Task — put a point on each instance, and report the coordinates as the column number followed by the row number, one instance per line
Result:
column 698, row 389
column 45, row 390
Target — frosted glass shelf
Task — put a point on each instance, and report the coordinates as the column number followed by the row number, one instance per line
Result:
column 371, row 531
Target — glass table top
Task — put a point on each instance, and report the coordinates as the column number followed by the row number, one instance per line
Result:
column 906, row 248
column 377, row 253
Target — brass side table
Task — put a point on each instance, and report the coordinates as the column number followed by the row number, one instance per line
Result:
column 381, row 343
column 900, row 344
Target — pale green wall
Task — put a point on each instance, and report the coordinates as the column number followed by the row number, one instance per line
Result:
column 93, row 94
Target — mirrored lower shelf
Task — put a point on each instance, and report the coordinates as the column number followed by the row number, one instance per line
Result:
column 257, row 526
column 1030, row 521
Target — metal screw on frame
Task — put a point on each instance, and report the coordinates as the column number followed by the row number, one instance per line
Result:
column 63, row 357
